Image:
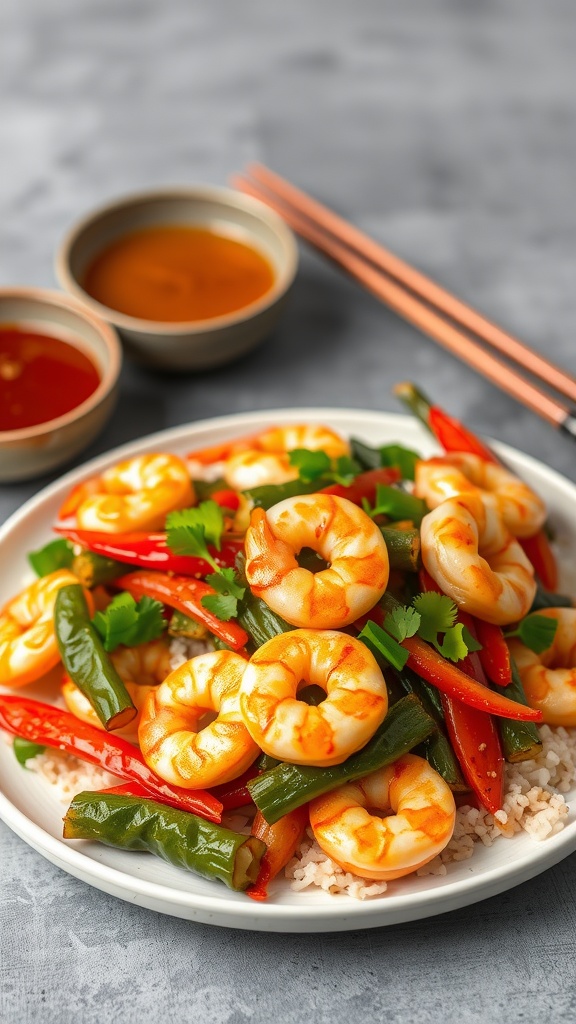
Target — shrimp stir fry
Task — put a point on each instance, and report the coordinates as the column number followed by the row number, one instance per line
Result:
column 336, row 671
column 287, row 728
column 28, row 647
column 386, row 847
column 459, row 474
column 135, row 494
column 475, row 560
column 342, row 534
column 267, row 461
column 549, row 679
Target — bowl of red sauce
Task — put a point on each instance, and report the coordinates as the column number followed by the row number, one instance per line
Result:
column 190, row 277
column 59, row 370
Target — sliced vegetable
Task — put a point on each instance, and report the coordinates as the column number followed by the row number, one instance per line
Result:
column 24, row 750
column 475, row 739
column 520, row 740
column 437, row 749
column 185, row 595
column 540, row 553
column 281, row 840
column 403, row 548
column 494, row 654
column 182, row 839
column 86, row 661
column 403, row 459
column 363, row 488
column 235, row 793
column 44, row 724
column 547, row 599
column 184, row 625
column 96, row 570
column 150, row 550
column 287, row 786
column 57, row 554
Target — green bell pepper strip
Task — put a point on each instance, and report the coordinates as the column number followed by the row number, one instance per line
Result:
column 288, row 786
column 86, row 661
column 58, row 554
column 403, row 548
column 520, row 740
column 182, row 839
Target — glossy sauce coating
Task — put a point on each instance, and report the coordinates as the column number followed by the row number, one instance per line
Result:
column 41, row 377
column 178, row 274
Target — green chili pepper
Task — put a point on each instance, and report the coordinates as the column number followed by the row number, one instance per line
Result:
column 182, row 839
column 86, row 661
column 24, row 750
column 436, row 747
column 183, row 625
column 520, row 740
column 93, row 570
column 403, row 548
column 58, row 554
column 288, row 786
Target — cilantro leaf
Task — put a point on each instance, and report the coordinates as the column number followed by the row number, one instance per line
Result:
column 126, row 622
column 381, row 643
column 453, row 646
column 402, row 622
column 345, row 470
column 404, row 458
column 224, row 603
column 189, row 531
column 438, row 614
column 397, row 504
column 310, row 464
column 537, row 632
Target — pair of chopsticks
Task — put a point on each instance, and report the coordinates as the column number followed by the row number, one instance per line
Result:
column 418, row 299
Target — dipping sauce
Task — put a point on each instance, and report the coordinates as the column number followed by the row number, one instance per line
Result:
column 41, row 377
column 178, row 274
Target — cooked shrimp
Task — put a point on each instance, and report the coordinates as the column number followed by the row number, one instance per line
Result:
column 172, row 739
column 475, row 560
column 287, row 728
column 142, row 669
column 549, row 679
column 136, row 494
column 266, row 460
column 458, row 474
column 28, row 647
column 366, row 844
column 342, row 534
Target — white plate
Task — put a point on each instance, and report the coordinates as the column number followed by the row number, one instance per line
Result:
column 28, row 806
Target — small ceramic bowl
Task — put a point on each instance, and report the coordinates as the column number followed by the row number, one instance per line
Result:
column 31, row 451
column 198, row 344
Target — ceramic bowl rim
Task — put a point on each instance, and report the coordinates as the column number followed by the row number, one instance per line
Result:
column 229, row 198
column 110, row 373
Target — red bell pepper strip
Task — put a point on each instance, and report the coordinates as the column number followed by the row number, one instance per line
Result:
column 455, row 437
column 473, row 733
column 365, row 484
column 185, row 594
column 494, row 656
column 150, row 550
column 235, row 794
column 49, row 726
column 282, row 840
column 537, row 549
column 227, row 499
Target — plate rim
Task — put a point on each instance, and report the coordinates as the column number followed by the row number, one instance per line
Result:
column 214, row 909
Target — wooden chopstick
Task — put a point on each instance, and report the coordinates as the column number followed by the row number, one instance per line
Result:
column 413, row 279
column 409, row 305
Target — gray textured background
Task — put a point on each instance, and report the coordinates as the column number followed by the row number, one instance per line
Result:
column 444, row 127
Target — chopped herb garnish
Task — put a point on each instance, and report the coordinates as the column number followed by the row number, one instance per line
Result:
column 317, row 465
column 189, row 532
column 536, row 631
column 128, row 622
column 396, row 504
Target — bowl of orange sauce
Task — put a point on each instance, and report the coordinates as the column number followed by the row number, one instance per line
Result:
column 59, row 370
column 190, row 277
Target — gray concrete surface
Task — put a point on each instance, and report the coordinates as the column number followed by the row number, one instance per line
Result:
column 447, row 129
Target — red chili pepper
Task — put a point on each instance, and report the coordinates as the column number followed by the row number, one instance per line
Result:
column 49, row 726
column 539, row 552
column 282, row 840
column 150, row 550
column 235, row 794
column 185, row 594
column 494, row 656
column 365, row 484
column 455, row 437
column 473, row 733
column 227, row 499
